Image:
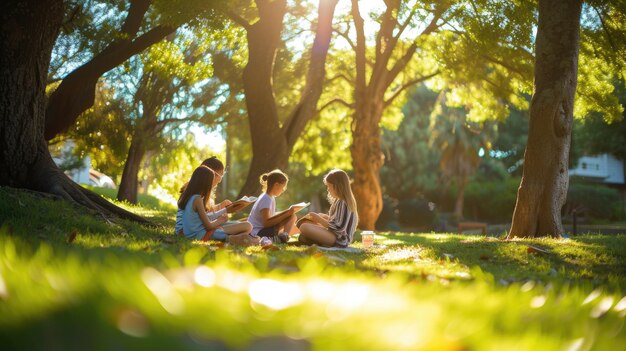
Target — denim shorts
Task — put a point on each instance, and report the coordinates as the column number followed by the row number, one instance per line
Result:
column 219, row 234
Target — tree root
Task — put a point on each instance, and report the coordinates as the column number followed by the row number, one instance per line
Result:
column 55, row 183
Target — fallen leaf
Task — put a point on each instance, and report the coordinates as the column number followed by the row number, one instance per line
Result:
column 536, row 250
column 484, row 257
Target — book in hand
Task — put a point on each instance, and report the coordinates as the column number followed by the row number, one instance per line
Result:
column 296, row 207
column 241, row 203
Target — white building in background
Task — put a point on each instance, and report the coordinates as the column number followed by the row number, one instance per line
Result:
column 600, row 168
column 84, row 174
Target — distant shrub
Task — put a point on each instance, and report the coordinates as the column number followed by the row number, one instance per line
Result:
column 491, row 201
column 594, row 201
column 388, row 215
column 415, row 213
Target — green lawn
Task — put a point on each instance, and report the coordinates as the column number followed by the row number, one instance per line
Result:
column 71, row 281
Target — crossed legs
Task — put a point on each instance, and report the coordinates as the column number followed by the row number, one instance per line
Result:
column 315, row 234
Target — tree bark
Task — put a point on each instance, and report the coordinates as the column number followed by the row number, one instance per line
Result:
column 76, row 93
column 369, row 101
column 460, row 198
column 269, row 146
column 271, row 143
column 29, row 29
column 367, row 159
column 130, row 176
column 545, row 180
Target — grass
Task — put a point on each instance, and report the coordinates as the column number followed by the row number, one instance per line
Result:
column 70, row 281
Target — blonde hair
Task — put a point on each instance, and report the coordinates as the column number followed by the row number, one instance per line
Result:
column 268, row 179
column 340, row 180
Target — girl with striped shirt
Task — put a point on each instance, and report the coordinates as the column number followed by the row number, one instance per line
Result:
column 337, row 227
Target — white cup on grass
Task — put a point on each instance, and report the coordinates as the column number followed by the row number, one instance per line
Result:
column 367, row 238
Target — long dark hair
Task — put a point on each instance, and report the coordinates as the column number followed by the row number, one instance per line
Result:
column 200, row 184
column 269, row 179
column 213, row 163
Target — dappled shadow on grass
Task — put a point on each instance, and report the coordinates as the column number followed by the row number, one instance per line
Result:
column 589, row 260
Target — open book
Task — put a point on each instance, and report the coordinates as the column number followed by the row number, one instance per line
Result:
column 297, row 207
column 242, row 203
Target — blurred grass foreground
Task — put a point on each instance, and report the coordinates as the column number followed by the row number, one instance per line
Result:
column 71, row 281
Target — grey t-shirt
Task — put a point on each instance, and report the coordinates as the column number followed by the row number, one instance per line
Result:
column 255, row 218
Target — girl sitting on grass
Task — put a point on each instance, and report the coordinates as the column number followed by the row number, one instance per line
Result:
column 196, row 223
column 264, row 223
column 337, row 227
column 235, row 233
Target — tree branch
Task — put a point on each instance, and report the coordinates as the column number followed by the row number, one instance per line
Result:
column 405, row 24
column 239, row 20
column 136, row 13
column 400, row 64
column 360, row 47
column 333, row 101
column 346, row 37
column 503, row 64
column 340, row 76
column 408, row 85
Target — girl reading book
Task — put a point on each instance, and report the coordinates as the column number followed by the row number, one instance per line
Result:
column 337, row 227
column 235, row 233
column 265, row 222
column 195, row 222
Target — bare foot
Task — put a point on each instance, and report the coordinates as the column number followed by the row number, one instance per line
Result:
column 243, row 240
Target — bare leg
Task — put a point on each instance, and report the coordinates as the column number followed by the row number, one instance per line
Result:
column 311, row 233
column 237, row 228
column 288, row 225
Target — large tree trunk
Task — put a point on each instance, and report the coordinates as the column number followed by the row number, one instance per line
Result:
column 369, row 101
column 544, row 184
column 130, row 176
column 29, row 29
column 76, row 93
column 268, row 142
column 271, row 143
column 367, row 159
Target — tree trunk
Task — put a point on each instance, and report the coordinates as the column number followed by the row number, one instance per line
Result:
column 460, row 198
column 367, row 159
column 268, row 142
column 130, row 176
column 544, row 184
column 307, row 106
column 29, row 30
column 272, row 144
column 76, row 93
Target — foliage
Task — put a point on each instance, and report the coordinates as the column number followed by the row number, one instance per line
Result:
column 492, row 201
column 597, row 135
column 602, row 52
column 71, row 281
column 102, row 133
column 416, row 213
column 592, row 201
column 411, row 165
column 510, row 141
